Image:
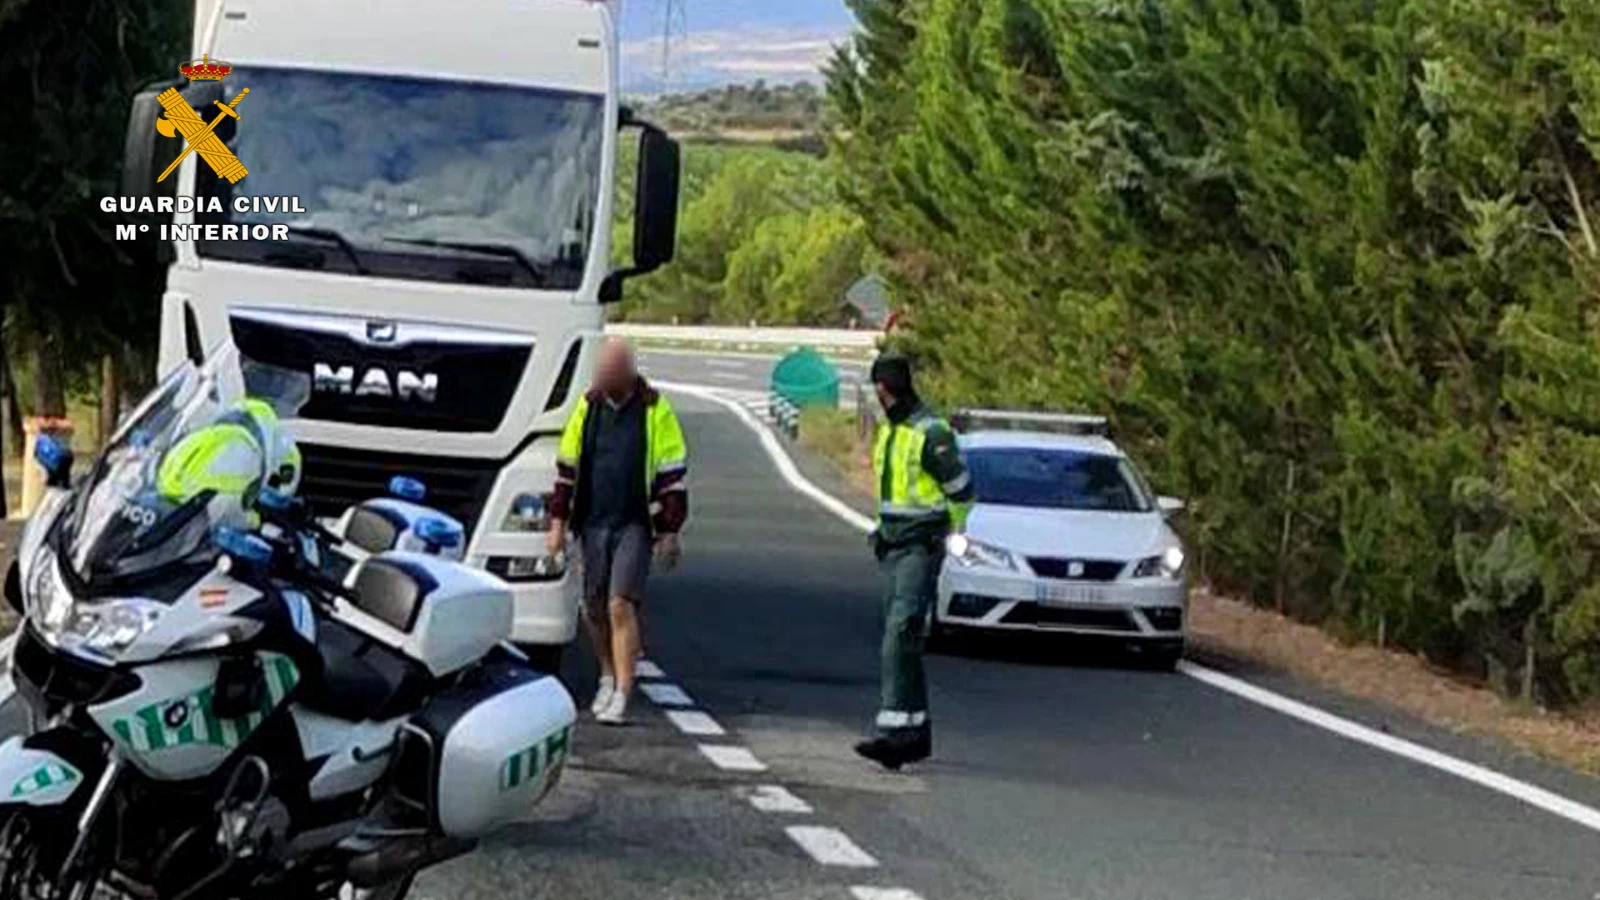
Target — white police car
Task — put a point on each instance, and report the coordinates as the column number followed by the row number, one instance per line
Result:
column 1065, row 536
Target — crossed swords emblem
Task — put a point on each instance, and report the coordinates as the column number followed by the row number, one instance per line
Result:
column 200, row 136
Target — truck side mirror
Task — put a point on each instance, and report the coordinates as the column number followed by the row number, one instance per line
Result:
column 655, row 211
column 655, row 221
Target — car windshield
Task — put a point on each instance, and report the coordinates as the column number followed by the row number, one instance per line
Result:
column 130, row 517
column 1054, row 478
column 412, row 178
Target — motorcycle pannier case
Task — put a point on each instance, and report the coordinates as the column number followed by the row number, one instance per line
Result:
column 482, row 753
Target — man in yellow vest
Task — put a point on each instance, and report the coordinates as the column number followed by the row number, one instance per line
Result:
column 620, row 487
column 923, row 492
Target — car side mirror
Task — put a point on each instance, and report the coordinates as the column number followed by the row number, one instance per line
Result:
column 146, row 149
column 655, row 211
column 1169, row 506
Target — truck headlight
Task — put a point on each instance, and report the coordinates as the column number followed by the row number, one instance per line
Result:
column 544, row 567
column 528, row 512
column 971, row 552
column 1168, row 565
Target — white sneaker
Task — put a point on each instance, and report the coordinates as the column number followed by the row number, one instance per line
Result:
column 603, row 694
column 616, row 712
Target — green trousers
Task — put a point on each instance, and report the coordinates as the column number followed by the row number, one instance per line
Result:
column 910, row 578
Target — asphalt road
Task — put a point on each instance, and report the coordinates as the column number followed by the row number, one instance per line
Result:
column 1060, row 773
column 735, row 372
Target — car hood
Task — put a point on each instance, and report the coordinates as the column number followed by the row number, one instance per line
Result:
column 1070, row 532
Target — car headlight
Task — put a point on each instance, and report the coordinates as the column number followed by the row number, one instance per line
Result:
column 528, row 512
column 110, row 628
column 969, row 551
column 1168, row 565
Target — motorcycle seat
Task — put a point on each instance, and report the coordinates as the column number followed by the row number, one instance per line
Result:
column 361, row 678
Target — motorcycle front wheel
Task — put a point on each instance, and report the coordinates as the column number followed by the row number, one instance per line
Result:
column 30, row 860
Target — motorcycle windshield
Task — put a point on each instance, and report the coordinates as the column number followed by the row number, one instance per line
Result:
column 142, row 512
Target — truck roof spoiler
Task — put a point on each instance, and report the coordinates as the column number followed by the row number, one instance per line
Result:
column 969, row 420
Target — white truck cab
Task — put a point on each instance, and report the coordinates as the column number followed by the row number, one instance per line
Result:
column 448, row 172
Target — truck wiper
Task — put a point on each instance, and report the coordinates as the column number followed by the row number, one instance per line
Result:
column 540, row 274
column 331, row 236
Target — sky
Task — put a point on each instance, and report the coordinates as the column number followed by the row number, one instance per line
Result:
column 730, row 41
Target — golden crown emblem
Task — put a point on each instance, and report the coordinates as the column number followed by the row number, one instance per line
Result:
column 205, row 69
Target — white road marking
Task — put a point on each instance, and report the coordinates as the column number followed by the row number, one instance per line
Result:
column 665, row 694
column 830, row 846
column 1550, row 802
column 732, row 759
column 729, row 376
column 727, row 363
column 775, row 798
column 775, row 451
column 693, row 721
column 644, row 668
column 877, row 893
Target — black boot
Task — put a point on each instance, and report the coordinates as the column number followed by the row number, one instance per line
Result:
column 898, row 747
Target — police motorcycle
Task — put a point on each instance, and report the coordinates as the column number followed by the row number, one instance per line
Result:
column 222, row 705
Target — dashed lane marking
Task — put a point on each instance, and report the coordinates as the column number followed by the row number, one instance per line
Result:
column 693, row 721
column 732, row 759
column 644, row 668
column 666, row 694
column 1533, row 795
column 878, row 893
column 830, row 846
column 775, row 798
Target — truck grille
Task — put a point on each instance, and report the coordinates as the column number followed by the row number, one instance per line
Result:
column 472, row 384
column 336, row 478
column 1069, row 617
column 1076, row 569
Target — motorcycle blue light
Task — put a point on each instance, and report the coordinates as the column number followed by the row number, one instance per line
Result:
column 437, row 532
column 408, row 488
column 51, row 454
column 243, row 546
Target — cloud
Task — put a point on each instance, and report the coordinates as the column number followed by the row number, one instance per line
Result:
column 724, row 56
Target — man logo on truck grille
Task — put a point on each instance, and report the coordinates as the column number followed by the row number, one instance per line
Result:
column 422, row 387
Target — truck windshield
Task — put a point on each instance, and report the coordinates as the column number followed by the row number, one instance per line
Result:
column 412, row 178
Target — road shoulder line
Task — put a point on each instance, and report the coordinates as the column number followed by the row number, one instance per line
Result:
column 1531, row 794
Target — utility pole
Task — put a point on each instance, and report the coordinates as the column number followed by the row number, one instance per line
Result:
column 674, row 30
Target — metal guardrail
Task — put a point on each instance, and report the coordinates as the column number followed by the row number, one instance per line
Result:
column 783, row 414
column 764, row 337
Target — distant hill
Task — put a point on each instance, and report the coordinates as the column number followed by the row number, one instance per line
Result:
column 789, row 115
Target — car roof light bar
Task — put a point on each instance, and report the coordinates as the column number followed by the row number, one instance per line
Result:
column 969, row 420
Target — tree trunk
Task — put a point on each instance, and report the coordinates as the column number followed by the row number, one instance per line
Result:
column 13, row 407
column 110, row 398
column 49, row 380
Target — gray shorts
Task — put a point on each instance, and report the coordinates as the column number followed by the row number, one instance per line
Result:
column 616, row 563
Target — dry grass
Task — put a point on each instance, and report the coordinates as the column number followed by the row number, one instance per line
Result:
column 1400, row 680
column 833, row 434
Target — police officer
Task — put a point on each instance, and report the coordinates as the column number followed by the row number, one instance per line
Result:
column 244, row 450
column 923, row 492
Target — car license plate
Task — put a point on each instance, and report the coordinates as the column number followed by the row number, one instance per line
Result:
column 1051, row 592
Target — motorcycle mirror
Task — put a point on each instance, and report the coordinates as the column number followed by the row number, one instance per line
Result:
column 408, row 488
